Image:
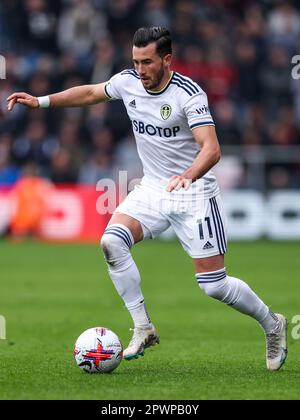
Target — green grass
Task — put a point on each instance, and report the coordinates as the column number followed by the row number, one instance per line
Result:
column 49, row 294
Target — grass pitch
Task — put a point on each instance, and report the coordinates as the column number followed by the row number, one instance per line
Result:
column 50, row 294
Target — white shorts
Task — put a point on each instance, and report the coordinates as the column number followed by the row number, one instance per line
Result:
column 200, row 229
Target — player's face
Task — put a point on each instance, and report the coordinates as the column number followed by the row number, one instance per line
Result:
column 151, row 68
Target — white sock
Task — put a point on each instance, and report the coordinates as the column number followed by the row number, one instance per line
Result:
column 139, row 314
column 236, row 293
column 271, row 323
column 116, row 243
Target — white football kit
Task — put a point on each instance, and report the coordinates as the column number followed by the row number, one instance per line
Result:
column 162, row 123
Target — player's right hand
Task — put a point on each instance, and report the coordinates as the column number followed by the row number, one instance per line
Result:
column 22, row 98
column 177, row 182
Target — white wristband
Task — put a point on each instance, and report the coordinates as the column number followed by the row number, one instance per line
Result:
column 44, row 101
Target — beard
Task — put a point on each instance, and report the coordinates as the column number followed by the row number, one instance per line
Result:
column 155, row 80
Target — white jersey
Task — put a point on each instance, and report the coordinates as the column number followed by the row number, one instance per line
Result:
column 162, row 124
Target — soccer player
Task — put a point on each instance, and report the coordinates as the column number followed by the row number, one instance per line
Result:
column 178, row 146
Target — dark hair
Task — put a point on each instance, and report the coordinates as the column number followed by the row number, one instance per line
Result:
column 161, row 36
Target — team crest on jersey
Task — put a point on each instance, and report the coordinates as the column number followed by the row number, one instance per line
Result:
column 165, row 111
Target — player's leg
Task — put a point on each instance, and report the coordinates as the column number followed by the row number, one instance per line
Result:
column 213, row 280
column 138, row 217
column 122, row 232
column 120, row 235
column 207, row 248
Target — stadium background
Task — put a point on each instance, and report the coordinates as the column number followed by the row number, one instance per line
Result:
column 240, row 52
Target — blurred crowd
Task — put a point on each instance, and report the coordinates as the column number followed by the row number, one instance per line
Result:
column 239, row 51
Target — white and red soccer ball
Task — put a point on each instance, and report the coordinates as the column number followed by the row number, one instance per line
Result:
column 98, row 350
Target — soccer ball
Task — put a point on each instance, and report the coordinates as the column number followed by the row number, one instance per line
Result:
column 98, row 350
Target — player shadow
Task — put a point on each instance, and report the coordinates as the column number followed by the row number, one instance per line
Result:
column 212, row 370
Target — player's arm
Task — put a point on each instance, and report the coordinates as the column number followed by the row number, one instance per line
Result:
column 209, row 155
column 76, row 96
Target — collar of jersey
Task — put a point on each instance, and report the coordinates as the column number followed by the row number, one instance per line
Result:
column 159, row 92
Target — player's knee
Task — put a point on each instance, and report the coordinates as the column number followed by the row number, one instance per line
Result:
column 213, row 284
column 112, row 249
column 107, row 248
column 213, row 291
column 115, row 245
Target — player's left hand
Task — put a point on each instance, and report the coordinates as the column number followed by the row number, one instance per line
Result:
column 177, row 182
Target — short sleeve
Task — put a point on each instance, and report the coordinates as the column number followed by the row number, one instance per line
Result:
column 197, row 111
column 113, row 87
